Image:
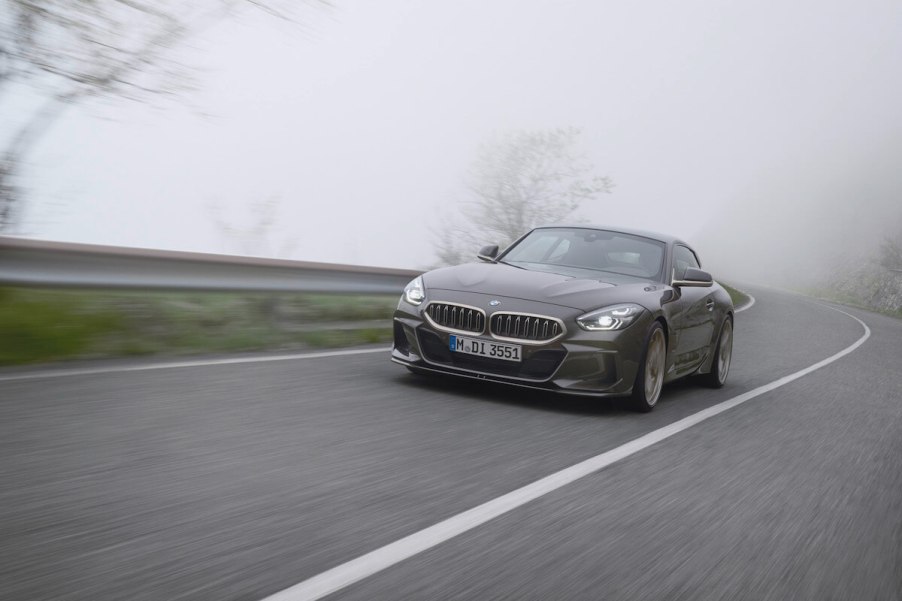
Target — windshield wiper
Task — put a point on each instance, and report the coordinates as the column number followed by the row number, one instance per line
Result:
column 506, row 263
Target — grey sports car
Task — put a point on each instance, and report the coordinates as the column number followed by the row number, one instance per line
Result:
column 578, row 309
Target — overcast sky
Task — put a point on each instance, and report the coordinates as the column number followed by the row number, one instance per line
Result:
column 740, row 126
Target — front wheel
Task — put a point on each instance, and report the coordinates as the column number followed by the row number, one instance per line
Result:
column 650, row 379
column 723, row 355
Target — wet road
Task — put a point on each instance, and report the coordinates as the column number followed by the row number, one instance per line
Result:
column 237, row 481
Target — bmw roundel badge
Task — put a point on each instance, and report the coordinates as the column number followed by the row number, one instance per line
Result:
column 494, row 303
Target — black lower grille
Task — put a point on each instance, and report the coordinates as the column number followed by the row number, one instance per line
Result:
column 400, row 338
column 539, row 365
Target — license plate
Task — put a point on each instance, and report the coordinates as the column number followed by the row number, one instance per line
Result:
column 486, row 348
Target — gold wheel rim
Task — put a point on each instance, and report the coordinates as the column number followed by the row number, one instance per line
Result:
column 654, row 367
column 725, row 352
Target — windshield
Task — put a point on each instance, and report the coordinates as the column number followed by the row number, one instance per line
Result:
column 584, row 249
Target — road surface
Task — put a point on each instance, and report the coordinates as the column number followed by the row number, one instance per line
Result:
column 240, row 480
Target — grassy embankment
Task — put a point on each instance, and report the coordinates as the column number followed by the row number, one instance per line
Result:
column 877, row 290
column 39, row 325
column 739, row 298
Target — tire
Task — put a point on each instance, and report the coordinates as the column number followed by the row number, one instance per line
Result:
column 723, row 356
column 650, row 377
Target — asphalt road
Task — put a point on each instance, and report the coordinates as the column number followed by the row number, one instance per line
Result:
column 237, row 481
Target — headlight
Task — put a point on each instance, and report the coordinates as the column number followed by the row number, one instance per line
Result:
column 610, row 318
column 415, row 292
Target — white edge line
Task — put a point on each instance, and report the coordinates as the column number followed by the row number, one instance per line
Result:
column 748, row 305
column 60, row 373
column 375, row 561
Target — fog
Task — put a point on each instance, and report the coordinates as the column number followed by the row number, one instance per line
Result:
column 767, row 133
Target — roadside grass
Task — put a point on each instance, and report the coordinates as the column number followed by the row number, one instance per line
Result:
column 851, row 301
column 739, row 298
column 39, row 325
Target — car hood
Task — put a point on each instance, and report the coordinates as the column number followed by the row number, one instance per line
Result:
column 577, row 292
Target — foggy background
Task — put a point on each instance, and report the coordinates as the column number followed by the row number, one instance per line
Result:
column 768, row 134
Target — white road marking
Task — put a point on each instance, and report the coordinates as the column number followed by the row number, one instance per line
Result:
column 60, row 373
column 357, row 569
column 748, row 305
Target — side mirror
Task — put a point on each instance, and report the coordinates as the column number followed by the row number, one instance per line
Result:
column 488, row 253
column 694, row 278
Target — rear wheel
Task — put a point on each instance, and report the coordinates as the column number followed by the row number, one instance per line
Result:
column 650, row 379
column 723, row 355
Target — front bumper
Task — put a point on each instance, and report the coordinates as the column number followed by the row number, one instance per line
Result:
column 584, row 363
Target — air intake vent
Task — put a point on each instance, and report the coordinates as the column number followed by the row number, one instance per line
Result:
column 520, row 326
column 456, row 317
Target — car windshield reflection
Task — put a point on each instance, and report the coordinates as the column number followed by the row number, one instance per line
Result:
column 583, row 251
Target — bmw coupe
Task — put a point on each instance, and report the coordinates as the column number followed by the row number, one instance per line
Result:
column 580, row 310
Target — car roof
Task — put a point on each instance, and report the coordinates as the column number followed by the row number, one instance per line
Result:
column 667, row 239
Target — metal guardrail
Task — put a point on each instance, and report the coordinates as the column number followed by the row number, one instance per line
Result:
column 40, row 263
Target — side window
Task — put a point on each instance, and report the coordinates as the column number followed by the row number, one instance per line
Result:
column 683, row 258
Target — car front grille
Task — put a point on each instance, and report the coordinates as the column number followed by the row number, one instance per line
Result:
column 519, row 326
column 456, row 317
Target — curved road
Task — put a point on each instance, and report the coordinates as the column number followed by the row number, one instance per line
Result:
column 240, row 480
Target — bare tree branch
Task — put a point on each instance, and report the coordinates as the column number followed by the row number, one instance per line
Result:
column 69, row 50
column 521, row 180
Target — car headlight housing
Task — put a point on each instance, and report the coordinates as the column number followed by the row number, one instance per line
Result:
column 616, row 317
column 415, row 291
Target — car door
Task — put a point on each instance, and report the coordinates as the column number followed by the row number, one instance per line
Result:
column 693, row 320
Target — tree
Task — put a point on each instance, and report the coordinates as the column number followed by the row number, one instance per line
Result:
column 66, row 51
column 875, row 282
column 518, row 181
column 891, row 254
